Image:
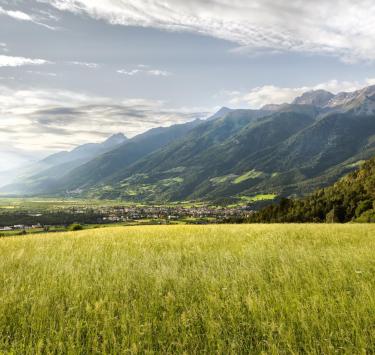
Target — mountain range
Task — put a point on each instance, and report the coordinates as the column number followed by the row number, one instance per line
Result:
column 236, row 154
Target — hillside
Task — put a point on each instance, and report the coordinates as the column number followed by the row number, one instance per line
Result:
column 206, row 163
column 351, row 198
column 247, row 153
column 102, row 168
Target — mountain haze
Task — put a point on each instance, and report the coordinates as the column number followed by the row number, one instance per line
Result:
column 38, row 176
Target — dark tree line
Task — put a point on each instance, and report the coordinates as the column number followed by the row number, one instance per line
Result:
column 49, row 218
column 352, row 197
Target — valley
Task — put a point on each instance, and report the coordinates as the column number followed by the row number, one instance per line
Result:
column 42, row 215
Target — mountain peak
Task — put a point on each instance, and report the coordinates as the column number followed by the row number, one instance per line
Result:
column 318, row 98
column 360, row 101
column 115, row 139
column 370, row 90
column 221, row 113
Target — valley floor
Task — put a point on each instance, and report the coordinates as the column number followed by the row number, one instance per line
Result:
column 194, row 289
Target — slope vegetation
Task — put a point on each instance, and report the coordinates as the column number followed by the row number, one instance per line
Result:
column 351, row 198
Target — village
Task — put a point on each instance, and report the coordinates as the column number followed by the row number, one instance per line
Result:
column 44, row 219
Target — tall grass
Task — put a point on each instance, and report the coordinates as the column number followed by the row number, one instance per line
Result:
column 193, row 289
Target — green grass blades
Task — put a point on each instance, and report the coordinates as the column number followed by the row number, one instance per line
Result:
column 268, row 289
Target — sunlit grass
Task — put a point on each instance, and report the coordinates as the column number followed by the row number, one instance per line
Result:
column 252, row 174
column 194, row 289
column 245, row 200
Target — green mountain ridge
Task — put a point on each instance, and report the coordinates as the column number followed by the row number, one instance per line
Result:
column 234, row 155
column 111, row 164
column 290, row 151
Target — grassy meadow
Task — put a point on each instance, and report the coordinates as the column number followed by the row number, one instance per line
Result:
column 224, row 289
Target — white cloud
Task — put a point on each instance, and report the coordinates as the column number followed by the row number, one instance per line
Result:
column 270, row 94
column 129, row 72
column 18, row 15
column 157, row 72
column 9, row 61
column 344, row 28
column 86, row 64
column 22, row 16
column 152, row 72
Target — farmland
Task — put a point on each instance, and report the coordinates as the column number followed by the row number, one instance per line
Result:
column 194, row 289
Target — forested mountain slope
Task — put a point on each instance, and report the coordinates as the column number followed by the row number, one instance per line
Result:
column 351, row 198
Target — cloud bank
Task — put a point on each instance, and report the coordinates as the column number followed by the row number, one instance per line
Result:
column 343, row 28
column 50, row 120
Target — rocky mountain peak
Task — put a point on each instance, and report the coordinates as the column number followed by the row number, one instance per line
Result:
column 319, row 98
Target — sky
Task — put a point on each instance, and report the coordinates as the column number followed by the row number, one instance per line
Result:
column 77, row 71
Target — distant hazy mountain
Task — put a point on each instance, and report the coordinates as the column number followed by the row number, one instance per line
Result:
column 85, row 151
column 36, row 177
column 284, row 149
column 12, row 160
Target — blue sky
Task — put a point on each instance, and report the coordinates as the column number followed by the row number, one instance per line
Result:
column 76, row 71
